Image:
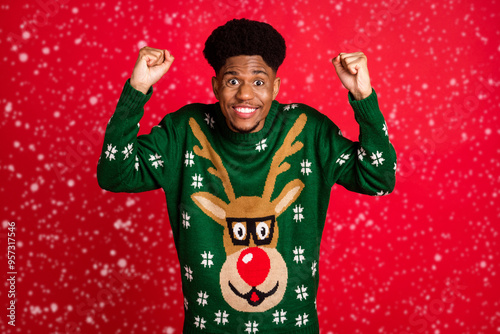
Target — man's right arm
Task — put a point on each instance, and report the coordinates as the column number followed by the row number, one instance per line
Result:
column 129, row 163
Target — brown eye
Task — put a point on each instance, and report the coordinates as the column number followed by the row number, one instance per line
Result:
column 259, row 83
column 232, row 82
column 239, row 231
column 262, row 230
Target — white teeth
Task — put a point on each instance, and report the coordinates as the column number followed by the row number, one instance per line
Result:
column 245, row 110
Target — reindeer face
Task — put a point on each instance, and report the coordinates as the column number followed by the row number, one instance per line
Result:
column 254, row 276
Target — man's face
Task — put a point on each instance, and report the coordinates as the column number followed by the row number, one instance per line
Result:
column 245, row 87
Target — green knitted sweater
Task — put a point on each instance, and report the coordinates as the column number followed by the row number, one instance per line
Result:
column 247, row 211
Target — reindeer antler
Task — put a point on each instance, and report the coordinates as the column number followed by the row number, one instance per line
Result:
column 209, row 153
column 286, row 150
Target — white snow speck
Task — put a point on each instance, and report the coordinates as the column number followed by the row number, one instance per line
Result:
column 46, row 50
column 34, row 187
column 57, row 114
column 71, row 183
column 122, row 263
column 8, row 107
column 141, row 44
column 53, row 307
column 438, row 257
column 23, row 57
column 93, row 100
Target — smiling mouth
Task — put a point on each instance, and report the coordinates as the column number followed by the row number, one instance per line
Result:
column 254, row 297
column 245, row 112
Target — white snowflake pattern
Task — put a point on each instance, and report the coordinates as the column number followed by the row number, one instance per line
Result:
column 202, row 298
column 302, row 319
column 189, row 159
column 361, row 153
column 377, row 158
column 299, row 254
column 290, row 106
column 314, row 268
column 185, row 303
column 185, row 219
column 136, row 164
column 189, row 273
column 382, row 193
column 279, row 316
column 305, row 170
column 110, row 152
column 395, row 166
column 301, row 292
column 340, row 133
column 261, row 146
column 197, row 181
column 343, row 158
column 128, row 150
column 384, row 128
column 252, row 327
column 209, row 119
column 298, row 216
column 156, row 160
column 199, row 322
column 221, row 317
column 207, row 259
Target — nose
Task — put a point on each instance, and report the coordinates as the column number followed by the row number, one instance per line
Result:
column 253, row 266
column 245, row 92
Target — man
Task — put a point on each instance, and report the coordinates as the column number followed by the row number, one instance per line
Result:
column 247, row 180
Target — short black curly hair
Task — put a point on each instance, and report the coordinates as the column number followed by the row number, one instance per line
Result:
column 243, row 37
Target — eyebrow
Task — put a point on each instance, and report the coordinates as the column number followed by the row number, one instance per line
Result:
column 254, row 72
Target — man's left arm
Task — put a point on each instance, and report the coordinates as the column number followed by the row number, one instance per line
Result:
column 367, row 166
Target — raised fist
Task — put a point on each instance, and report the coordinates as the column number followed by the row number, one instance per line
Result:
column 150, row 66
column 352, row 70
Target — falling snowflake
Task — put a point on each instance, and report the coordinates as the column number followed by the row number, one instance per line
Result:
column 261, row 146
column 298, row 216
column 136, row 164
column 251, row 327
column 361, row 153
column 302, row 319
column 384, row 128
column 156, row 160
column 199, row 322
column 377, row 158
column 299, row 257
column 290, row 106
column 202, row 298
column 128, row 150
column 185, row 303
column 342, row 159
column 197, row 181
column 221, row 318
column 207, row 259
column 185, row 219
column 314, row 268
column 110, row 152
column 210, row 121
column 305, row 164
column 189, row 159
column 189, row 273
column 301, row 292
column 279, row 316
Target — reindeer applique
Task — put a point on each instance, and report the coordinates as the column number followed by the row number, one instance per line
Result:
column 254, row 276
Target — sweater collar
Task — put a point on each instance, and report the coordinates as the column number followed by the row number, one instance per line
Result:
column 250, row 138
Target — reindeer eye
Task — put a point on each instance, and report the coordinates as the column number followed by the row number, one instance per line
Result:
column 262, row 231
column 239, row 231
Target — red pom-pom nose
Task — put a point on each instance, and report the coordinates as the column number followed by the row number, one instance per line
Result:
column 253, row 266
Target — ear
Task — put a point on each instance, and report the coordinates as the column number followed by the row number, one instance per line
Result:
column 211, row 205
column 276, row 87
column 215, row 87
column 288, row 195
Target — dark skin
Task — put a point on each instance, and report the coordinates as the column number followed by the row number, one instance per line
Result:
column 245, row 87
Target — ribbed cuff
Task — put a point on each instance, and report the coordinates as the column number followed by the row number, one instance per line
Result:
column 133, row 98
column 367, row 107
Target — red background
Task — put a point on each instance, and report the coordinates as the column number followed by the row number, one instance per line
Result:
column 421, row 260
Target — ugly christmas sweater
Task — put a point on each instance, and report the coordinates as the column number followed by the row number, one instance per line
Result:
column 247, row 211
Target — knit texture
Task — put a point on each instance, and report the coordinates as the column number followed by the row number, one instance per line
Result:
column 247, row 211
